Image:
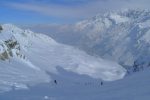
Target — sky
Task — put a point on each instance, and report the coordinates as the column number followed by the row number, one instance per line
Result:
column 60, row 11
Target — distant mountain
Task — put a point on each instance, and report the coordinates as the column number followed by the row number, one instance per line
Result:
column 122, row 36
column 28, row 58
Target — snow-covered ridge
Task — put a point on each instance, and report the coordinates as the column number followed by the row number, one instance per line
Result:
column 26, row 57
column 122, row 36
column 125, row 36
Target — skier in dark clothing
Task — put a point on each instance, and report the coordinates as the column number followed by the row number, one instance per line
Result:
column 101, row 83
column 55, row 81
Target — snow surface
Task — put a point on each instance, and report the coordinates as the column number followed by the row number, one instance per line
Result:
column 133, row 87
column 119, row 19
column 35, row 55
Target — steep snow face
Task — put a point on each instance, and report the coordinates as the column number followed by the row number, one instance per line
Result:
column 121, row 36
column 26, row 57
column 119, row 18
column 125, row 40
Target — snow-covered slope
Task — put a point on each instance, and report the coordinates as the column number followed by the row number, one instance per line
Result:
column 27, row 58
column 133, row 87
column 123, row 36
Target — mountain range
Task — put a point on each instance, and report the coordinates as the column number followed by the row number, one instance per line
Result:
column 121, row 36
column 106, row 57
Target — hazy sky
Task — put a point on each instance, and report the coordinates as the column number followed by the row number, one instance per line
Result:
column 60, row 11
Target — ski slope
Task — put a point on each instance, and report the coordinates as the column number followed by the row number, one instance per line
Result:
column 132, row 87
column 26, row 58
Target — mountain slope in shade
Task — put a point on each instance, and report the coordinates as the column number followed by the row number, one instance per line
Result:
column 27, row 58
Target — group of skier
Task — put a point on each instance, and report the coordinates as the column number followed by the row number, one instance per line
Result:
column 55, row 81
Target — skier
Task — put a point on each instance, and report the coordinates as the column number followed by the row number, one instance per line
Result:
column 101, row 83
column 55, row 81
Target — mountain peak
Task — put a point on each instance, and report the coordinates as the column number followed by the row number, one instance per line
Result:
column 122, row 36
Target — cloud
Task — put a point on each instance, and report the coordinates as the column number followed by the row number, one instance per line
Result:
column 50, row 10
column 84, row 10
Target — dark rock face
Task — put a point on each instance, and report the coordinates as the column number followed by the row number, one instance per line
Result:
column 1, row 28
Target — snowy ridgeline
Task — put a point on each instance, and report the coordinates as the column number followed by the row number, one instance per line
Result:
column 27, row 58
column 122, row 36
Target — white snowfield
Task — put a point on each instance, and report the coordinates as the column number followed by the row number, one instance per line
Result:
column 133, row 87
column 26, row 57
